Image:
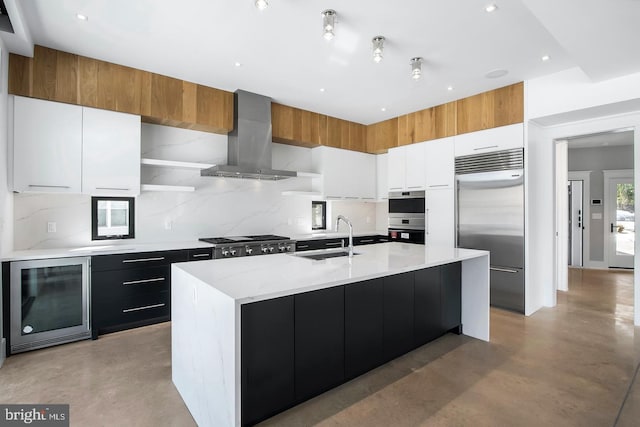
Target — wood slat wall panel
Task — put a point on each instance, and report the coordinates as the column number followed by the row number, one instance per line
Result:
column 357, row 137
column 214, row 109
column 66, row 78
column 491, row 109
column 189, row 102
column 381, row 136
column 87, row 81
column 44, row 73
column 20, row 75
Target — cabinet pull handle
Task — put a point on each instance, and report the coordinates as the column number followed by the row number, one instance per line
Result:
column 49, row 186
column 366, row 241
column 136, row 282
column 485, row 148
column 113, row 188
column 334, row 243
column 415, row 186
column 438, row 185
column 201, row 255
column 299, row 246
column 351, row 197
column 503, row 270
column 146, row 307
column 143, row 259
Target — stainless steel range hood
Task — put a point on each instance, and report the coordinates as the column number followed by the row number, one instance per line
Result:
column 249, row 149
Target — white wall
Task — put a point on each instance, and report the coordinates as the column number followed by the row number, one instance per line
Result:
column 6, row 199
column 218, row 207
column 539, row 219
column 541, row 210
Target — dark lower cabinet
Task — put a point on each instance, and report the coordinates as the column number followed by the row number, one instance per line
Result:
column 267, row 360
column 296, row 347
column 398, row 314
column 451, row 297
column 427, row 306
column 363, row 312
column 319, row 341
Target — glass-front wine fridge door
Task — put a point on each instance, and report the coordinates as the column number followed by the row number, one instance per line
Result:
column 49, row 301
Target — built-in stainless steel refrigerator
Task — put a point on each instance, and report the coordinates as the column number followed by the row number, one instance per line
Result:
column 490, row 216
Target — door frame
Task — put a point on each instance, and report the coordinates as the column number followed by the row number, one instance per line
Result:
column 608, row 176
column 585, row 177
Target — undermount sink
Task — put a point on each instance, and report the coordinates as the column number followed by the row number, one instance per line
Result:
column 323, row 255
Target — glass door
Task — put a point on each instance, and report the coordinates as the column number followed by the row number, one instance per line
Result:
column 621, row 209
column 49, row 302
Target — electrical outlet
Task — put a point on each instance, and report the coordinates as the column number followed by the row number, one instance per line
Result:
column 168, row 224
column 51, row 227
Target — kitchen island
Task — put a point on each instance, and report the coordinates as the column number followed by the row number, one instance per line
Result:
column 254, row 336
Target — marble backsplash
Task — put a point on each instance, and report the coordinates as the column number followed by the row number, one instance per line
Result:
column 218, row 207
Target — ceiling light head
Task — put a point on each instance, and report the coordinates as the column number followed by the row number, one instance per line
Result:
column 416, row 68
column 82, row 17
column 262, row 4
column 545, row 58
column 383, row 109
column 450, row 88
column 328, row 23
column 491, row 8
column 378, row 47
column 238, row 64
column 322, row 89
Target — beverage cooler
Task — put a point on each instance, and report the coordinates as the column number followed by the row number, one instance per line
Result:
column 49, row 302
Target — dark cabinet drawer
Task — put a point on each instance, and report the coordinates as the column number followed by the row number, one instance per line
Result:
column 137, row 260
column 146, row 308
column 311, row 245
column 107, row 285
column 200, row 254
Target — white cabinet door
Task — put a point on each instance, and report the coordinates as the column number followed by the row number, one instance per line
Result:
column 440, row 218
column 345, row 174
column 396, row 167
column 440, row 163
column 486, row 141
column 382, row 175
column 415, row 167
column 47, row 146
column 110, row 153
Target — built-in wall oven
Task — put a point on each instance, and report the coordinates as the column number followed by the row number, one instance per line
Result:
column 407, row 216
column 49, row 302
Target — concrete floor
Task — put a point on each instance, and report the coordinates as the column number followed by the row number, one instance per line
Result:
column 570, row 365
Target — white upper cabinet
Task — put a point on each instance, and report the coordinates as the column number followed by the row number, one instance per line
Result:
column 440, row 218
column 346, row 174
column 440, row 163
column 47, row 146
column 406, row 168
column 110, row 153
column 62, row 148
column 486, row 141
column 382, row 174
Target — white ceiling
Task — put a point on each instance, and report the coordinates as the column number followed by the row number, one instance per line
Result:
column 606, row 139
column 284, row 55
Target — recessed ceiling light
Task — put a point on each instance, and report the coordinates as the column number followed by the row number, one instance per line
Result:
column 238, row 64
column 383, row 109
column 262, row 4
column 82, row 17
column 491, row 8
column 545, row 58
column 450, row 88
column 321, row 89
column 494, row 74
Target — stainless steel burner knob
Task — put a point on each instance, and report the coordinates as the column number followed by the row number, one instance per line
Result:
column 248, row 250
column 265, row 250
column 234, row 252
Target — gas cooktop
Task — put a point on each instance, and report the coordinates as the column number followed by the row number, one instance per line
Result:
column 238, row 246
column 243, row 239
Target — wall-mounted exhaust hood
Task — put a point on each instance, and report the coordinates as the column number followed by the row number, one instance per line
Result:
column 249, row 146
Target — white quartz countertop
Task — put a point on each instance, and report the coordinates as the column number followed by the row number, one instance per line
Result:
column 105, row 248
column 251, row 279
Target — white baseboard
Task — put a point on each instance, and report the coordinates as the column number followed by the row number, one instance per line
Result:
column 3, row 351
